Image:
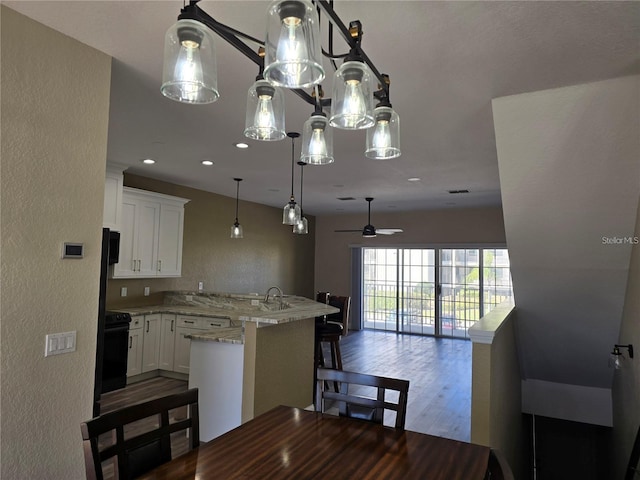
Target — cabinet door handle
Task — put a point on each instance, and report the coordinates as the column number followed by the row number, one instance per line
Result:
column 139, row 264
column 159, row 265
column 189, row 321
column 215, row 324
column 130, row 341
column 147, row 326
column 172, row 325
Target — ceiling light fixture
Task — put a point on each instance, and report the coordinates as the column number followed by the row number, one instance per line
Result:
column 302, row 225
column 289, row 57
column 616, row 357
column 241, row 145
column 148, row 161
column 207, row 163
column 383, row 140
column 291, row 212
column 265, row 111
column 317, row 137
column 236, row 228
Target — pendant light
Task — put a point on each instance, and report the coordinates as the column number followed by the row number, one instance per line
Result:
column 302, row 226
column 383, row 139
column 236, row 228
column 265, row 112
column 291, row 211
column 317, row 137
column 189, row 73
column 352, row 99
column 293, row 56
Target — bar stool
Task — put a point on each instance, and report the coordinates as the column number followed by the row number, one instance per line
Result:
column 331, row 330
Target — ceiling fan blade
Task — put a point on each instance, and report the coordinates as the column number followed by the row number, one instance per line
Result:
column 388, row 231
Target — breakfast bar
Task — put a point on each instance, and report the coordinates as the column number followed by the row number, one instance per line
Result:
column 263, row 358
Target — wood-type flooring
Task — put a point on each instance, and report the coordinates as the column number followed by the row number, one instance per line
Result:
column 439, row 370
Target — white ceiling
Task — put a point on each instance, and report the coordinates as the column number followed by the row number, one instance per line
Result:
column 446, row 60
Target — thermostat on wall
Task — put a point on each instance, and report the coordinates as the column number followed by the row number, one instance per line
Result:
column 73, row 250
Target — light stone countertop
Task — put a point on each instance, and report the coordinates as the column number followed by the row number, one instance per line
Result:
column 236, row 307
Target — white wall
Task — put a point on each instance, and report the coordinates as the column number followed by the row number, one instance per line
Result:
column 55, row 106
column 569, row 163
column 626, row 382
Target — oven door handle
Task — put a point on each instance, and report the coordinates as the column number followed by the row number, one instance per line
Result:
column 116, row 329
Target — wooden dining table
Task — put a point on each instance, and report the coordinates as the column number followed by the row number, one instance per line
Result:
column 291, row 443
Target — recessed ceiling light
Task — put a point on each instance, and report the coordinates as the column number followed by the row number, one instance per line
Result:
column 413, row 179
column 208, row 163
column 241, row 145
column 149, row 161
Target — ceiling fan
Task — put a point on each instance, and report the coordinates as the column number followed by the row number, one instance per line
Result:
column 371, row 231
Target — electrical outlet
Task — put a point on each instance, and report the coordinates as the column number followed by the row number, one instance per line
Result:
column 255, row 302
column 147, row 290
column 123, row 291
column 200, row 286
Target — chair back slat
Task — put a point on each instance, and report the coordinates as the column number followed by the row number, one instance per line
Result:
column 143, row 451
column 357, row 406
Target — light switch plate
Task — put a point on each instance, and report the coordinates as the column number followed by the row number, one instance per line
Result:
column 147, row 290
column 123, row 291
column 57, row 343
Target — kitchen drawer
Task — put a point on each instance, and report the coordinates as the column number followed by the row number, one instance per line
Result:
column 136, row 322
column 202, row 323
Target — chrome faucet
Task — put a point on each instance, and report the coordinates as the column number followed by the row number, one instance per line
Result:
column 266, row 297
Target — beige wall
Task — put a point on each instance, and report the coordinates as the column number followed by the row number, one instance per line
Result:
column 428, row 227
column 269, row 254
column 626, row 382
column 55, row 107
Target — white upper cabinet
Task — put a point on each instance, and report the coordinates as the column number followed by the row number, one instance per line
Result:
column 112, row 213
column 151, row 235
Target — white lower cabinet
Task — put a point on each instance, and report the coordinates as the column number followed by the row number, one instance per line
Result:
column 134, row 358
column 188, row 325
column 159, row 341
column 167, row 342
column 182, row 350
column 151, row 342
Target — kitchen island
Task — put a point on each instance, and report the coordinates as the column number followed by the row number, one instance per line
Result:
column 262, row 360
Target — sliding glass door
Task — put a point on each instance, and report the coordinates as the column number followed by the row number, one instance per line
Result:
column 432, row 291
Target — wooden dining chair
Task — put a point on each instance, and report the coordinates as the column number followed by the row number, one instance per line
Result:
column 138, row 441
column 353, row 405
column 499, row 468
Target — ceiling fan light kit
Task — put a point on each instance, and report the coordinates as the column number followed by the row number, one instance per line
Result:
column 289, row 57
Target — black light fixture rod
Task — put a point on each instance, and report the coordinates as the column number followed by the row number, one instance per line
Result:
column 238, row 180
column 302, row 164
column 628, row 347
column 353, row 44
column 292, row 136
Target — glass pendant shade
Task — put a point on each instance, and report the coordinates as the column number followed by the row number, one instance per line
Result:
column 292, row 47
column 301, row 227
column 291, row 213
column 317, row 141
column 265, row 112
column 352, row 98
column 383, row 139
column 189, row 73
column 236, row 230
